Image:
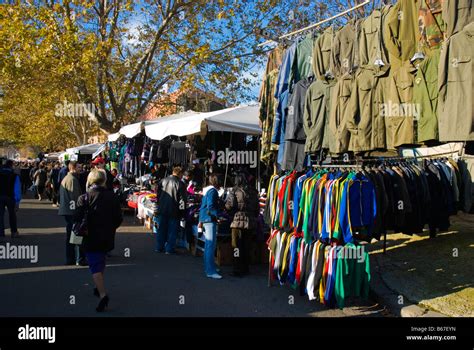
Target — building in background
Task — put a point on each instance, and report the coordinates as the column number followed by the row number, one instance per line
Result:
column 181, row 101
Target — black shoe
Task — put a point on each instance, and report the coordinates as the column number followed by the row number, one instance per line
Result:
column 103, row 304
column 96, row 293
column 236, row 274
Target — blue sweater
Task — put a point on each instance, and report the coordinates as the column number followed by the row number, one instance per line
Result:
column 208, row 211
column 5, row 175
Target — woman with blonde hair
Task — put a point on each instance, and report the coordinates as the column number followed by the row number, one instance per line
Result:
column 104, row 216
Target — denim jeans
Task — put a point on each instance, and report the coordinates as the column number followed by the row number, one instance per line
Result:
column 210, row 235
column 166, row 233
column 9, row 203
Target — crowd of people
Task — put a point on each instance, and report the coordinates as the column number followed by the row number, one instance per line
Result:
column 241, row 203
column 84, row 192
column 79, row 191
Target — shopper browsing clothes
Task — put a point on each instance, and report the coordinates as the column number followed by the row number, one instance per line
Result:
column 10, row 196
column 242, row 202
column 104, row 216
column 208, row 218
column 69, row 192
column 171, row 194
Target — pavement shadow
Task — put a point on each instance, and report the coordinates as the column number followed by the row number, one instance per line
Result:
column 439, row 269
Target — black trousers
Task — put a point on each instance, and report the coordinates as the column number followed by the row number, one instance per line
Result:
column 9, row 203
column 241, row 251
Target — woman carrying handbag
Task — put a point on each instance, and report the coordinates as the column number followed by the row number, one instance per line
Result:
column 98, row 217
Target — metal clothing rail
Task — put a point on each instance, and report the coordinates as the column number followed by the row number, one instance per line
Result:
column 414, row 157
column 337, row 166
column 317, row 24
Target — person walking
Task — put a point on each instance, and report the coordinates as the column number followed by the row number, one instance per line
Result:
column 10, row 197
column 40, row 177
column 209, row 220
column 63, row 171
column 53, row 178
column 33, row 171
column 25, row 177
column 69, row 192
column 104, row 216
column 171, row 194
column 49, row 183
column 242, row 201
column 82, row 173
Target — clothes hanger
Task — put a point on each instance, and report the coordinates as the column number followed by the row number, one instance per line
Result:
column 419, row 55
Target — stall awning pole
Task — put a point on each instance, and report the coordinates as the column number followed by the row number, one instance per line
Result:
column 258, row 163
column 227, row 161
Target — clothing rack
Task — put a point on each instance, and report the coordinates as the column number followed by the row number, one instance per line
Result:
column 338, row 166
column 410, row 158
column 317, row 24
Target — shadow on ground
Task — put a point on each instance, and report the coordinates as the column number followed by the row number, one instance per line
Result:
column 437, row 273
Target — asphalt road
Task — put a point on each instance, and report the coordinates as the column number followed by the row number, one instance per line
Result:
column 144, row 284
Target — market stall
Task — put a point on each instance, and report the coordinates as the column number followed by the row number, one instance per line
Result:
column 349, row 119
column 82, row 153
column 191, row 139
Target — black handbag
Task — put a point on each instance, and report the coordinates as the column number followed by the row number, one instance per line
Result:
column 80, row 228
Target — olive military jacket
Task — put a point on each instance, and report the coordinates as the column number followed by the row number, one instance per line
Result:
column 456, row 87
column 365, row 120
column 316, row 114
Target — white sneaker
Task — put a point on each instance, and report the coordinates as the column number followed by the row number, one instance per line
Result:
column 215, row 276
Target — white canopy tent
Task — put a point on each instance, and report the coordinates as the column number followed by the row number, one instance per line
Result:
column 83, row 150
column 98, row 151
column 131, row 130
column 187, row 125
column 242, row 119
column 113, row 137
column 53, row 156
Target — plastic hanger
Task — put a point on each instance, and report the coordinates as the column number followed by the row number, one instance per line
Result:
column 379, row 62
column 419, row 55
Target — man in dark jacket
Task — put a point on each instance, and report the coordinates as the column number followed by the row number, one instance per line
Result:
column 63, row 172
column 69, row 192
column 171, row 194
column 10, row 196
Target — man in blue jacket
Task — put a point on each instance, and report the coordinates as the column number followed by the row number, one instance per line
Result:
column 10, row 197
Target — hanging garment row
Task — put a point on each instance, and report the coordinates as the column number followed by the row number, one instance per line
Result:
column 401, row 76
column 339, row 206
column 320, row 218
column 130, row 156
column 323, row 272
